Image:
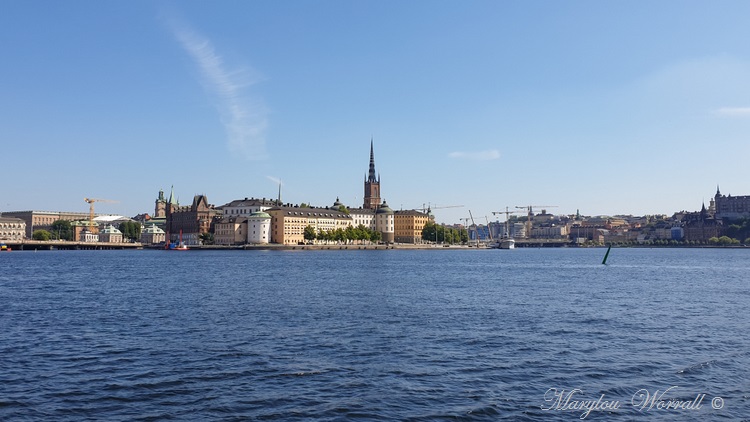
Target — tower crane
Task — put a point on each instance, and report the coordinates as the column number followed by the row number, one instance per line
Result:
column 430, row 207
column 529, row 209
column 91, row 209
column 507, row 213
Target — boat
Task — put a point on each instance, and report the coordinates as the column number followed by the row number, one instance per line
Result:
column 5, row 248
column 177, row 246
column 505, row 241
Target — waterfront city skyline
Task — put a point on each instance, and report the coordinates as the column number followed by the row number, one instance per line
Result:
column 610, row 108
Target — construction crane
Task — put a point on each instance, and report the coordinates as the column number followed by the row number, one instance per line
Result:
column 91, row 209
column 507, row 213
column 529, row 209
column 476, row 228
column 430, row 207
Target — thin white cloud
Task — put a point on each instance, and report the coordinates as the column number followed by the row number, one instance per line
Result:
column 492, row 154
column 275, row 180
column 733, row 111
column 244, row 118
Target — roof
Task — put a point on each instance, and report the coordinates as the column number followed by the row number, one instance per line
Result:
column 109, row 218
column 249, row 202
column 310, row 212
column 235, row 219
column 384, row 209
column 153, row 230
column 411, row 212
column 259, row 214
column 110, row 230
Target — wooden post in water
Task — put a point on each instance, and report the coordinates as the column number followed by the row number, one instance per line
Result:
column 604, row 261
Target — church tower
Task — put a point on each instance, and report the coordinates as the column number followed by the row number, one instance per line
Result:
column 372, row 185
column 160, row 209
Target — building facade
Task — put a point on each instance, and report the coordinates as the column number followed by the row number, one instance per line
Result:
column 731, row 207
column 408, row 226
column 42, row 220
column 230, row 231
column 259, row 228
column 384, row 222
column 190, row 222
column 153, row 235
column 288, row 222
column 12, row 229
column 110, row 234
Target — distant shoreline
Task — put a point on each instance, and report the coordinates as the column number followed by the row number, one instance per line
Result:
column 56, row 245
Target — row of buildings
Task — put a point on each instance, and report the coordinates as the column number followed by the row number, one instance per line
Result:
column 243, row 221
column 260, row 221
column 699, row 226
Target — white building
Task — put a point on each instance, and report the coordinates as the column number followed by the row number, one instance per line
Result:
column 153, row 235
column 12, row 229
column 245, row 207
column 110, row 234
column 258, row 228
column 385, row 222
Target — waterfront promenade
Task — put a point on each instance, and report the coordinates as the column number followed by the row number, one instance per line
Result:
column 47, row 245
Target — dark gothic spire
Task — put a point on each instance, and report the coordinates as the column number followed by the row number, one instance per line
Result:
column 371, row 175
column 717, row 190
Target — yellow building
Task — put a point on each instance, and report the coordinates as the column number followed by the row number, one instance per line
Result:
column 288, row 223
column 408, row 226
column 230, row 231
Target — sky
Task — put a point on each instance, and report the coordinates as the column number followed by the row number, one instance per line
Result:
column 617, row 107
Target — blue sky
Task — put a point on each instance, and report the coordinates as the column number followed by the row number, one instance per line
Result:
column 607, row 107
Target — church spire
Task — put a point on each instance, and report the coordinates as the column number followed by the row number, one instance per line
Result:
column 371, row 174
column 172, row 198
column 372, row 183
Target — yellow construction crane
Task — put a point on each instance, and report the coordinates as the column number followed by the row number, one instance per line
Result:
column 91, row 209
column 530, row 210
column 430, row 208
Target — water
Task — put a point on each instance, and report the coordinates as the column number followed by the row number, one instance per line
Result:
column 372, row 335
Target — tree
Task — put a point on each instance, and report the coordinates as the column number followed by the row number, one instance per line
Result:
column 343, row 209
column 41, row 235
column 338, row 235
column 429, row 232
column 376, row 236
column 207, row 238
column 130, row 230
column 62, row 229
column 464, row 234
column 309, row 233
column 350, row 234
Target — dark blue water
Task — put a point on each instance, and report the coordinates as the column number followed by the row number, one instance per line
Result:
column 373, row 335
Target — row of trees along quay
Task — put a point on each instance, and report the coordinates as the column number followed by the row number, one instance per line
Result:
column 63, row 230
column 431, row 233
column 359, row 234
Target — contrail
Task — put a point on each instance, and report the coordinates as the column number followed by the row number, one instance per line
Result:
column 244, row 119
